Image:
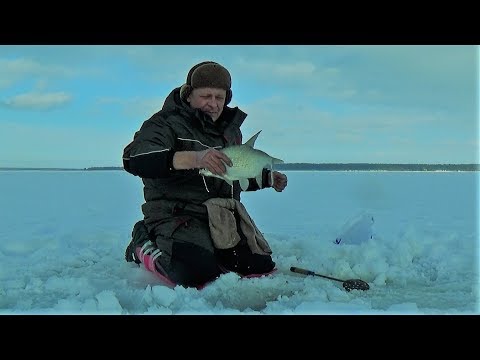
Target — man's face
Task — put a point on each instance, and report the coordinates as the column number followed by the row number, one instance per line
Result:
column 210, row 100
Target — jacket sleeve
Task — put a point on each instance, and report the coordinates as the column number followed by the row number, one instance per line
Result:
column 253, row 186
column 150, row 153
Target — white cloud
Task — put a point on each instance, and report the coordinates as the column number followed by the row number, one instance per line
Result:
column 38, row 101
column 286, row 70
column 13, row 70
column 136, row 108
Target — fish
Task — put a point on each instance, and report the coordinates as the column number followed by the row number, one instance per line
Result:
column 247, row 162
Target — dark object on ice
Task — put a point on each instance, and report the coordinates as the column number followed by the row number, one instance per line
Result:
column 351, row 284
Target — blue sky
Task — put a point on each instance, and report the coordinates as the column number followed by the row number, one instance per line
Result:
column 79, row 105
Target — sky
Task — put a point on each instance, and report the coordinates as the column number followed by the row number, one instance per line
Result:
column 79, row 105
column 412, row 236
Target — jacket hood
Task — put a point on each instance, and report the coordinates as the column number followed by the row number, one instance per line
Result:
column 230, row 116
column 173, row 100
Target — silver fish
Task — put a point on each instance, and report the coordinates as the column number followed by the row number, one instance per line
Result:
column 247, row 162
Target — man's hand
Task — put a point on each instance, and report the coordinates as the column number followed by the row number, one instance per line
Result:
column 279, row 181
column 212, row 160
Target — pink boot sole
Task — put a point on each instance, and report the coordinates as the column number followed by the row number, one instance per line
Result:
column 149, row 264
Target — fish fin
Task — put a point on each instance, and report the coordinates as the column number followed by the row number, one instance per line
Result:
column 251, row 141
column 244, row 183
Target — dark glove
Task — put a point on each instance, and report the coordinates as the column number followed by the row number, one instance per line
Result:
column 278, row 181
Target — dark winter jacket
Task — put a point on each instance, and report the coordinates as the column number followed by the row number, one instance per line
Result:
column 173, row 197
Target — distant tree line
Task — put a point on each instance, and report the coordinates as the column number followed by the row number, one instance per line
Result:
column 354, row 167
column 378, row 167
column 104, row 168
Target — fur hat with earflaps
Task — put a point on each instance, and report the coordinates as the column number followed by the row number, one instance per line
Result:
column 207, row 74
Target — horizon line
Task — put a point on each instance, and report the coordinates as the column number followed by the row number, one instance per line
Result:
column 290, row 163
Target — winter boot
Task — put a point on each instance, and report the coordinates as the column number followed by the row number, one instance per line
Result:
column 139, row 239
column 142, row 250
